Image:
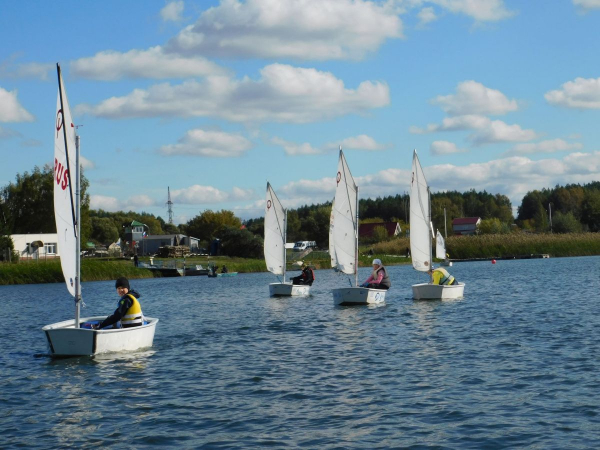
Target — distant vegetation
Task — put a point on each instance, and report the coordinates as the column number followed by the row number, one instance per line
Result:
column 26, row 205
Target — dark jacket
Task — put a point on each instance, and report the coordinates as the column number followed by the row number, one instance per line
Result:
column 124, row 304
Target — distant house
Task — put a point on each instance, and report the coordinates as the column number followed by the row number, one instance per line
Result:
column 465, row 225
column 366, row 230
column 36, row 246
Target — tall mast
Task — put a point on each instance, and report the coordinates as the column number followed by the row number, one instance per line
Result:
column 170, row 205
column 78, row 227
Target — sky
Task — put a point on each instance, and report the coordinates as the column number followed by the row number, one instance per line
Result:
column 210, row 100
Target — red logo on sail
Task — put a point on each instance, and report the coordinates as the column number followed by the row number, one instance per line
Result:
column 61, row 175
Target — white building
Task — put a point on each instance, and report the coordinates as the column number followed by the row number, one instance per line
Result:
column 26, row 245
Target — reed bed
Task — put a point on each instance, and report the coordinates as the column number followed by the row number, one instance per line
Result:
column 507, row 245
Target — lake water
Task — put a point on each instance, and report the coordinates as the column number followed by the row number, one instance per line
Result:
column 516, row 363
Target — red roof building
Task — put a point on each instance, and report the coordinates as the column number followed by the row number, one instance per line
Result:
column 465, row 225
column 368, row 229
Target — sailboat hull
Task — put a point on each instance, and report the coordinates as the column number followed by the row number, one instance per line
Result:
column 351, row 296
column 427, row 291
column 288, row 290
column 66, row 340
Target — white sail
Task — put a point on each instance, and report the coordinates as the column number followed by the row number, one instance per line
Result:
column 275, row 229
column 440, row 246
column 64, row 188
column 331, row 238
column 420, row 220
column 345, row 225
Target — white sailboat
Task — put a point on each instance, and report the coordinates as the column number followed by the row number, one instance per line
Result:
column 440, row 246
column 421, row 236
column 274, row 247
column 67, row 338
column 344, row 233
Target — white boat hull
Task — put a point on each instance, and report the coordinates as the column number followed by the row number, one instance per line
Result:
column 289, row 290
column 428, row 291
column 358, row 296
column 66, row 340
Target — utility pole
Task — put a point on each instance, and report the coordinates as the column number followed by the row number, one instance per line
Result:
column 170, row 205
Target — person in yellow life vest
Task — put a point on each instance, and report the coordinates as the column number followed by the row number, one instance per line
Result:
column 129, row 311
column 441, row 276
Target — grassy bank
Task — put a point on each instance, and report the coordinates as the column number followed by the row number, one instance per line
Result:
column 391, row 253
column 507, row 245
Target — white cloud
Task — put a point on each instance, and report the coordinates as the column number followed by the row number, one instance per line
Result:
column 39, row 71
column 199, row 142
column 360, row 142
column 474, row 98
column 498, row 131
column 197, row 194
column 513, row 177
column 153, row 63
column 480, row 10
column 587, row 5
column 444, row 148
column 486, row 131
column 139, row 201
column 111, row 204
column 172, row 11
column 579, row 94
column 291, row 148
column 86, row 163
column 105, row 203
column 549, row 146
column 426, row 15
column 10, row 108
column 282, row 94
column 301, row 29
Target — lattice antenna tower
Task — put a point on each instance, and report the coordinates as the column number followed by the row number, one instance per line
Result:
column 170, row 205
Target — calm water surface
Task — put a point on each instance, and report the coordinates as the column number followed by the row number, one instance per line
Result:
column 515, row 364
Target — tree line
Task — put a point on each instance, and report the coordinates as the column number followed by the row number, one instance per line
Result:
column 27, row 203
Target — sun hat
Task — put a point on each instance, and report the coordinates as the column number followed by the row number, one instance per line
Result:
column 377, row 261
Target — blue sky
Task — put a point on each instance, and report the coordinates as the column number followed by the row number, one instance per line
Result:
column 215, row 98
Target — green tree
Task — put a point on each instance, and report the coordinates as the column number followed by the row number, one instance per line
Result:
column 591, row 210
column 208, row 225
column 541, row 219
column 565, row 223
column 493, row 226
column 104, row 230
column 240, row 242
column 28, row 203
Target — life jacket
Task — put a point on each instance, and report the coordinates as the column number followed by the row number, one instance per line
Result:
column 309, row 274
column 385, row 281
column 133, row 316
column 442, row 276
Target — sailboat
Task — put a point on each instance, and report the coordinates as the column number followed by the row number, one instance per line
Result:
column 274, row 247
column 421, row 236
column 440, row 246
column 68, row 338
column 343, row 231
